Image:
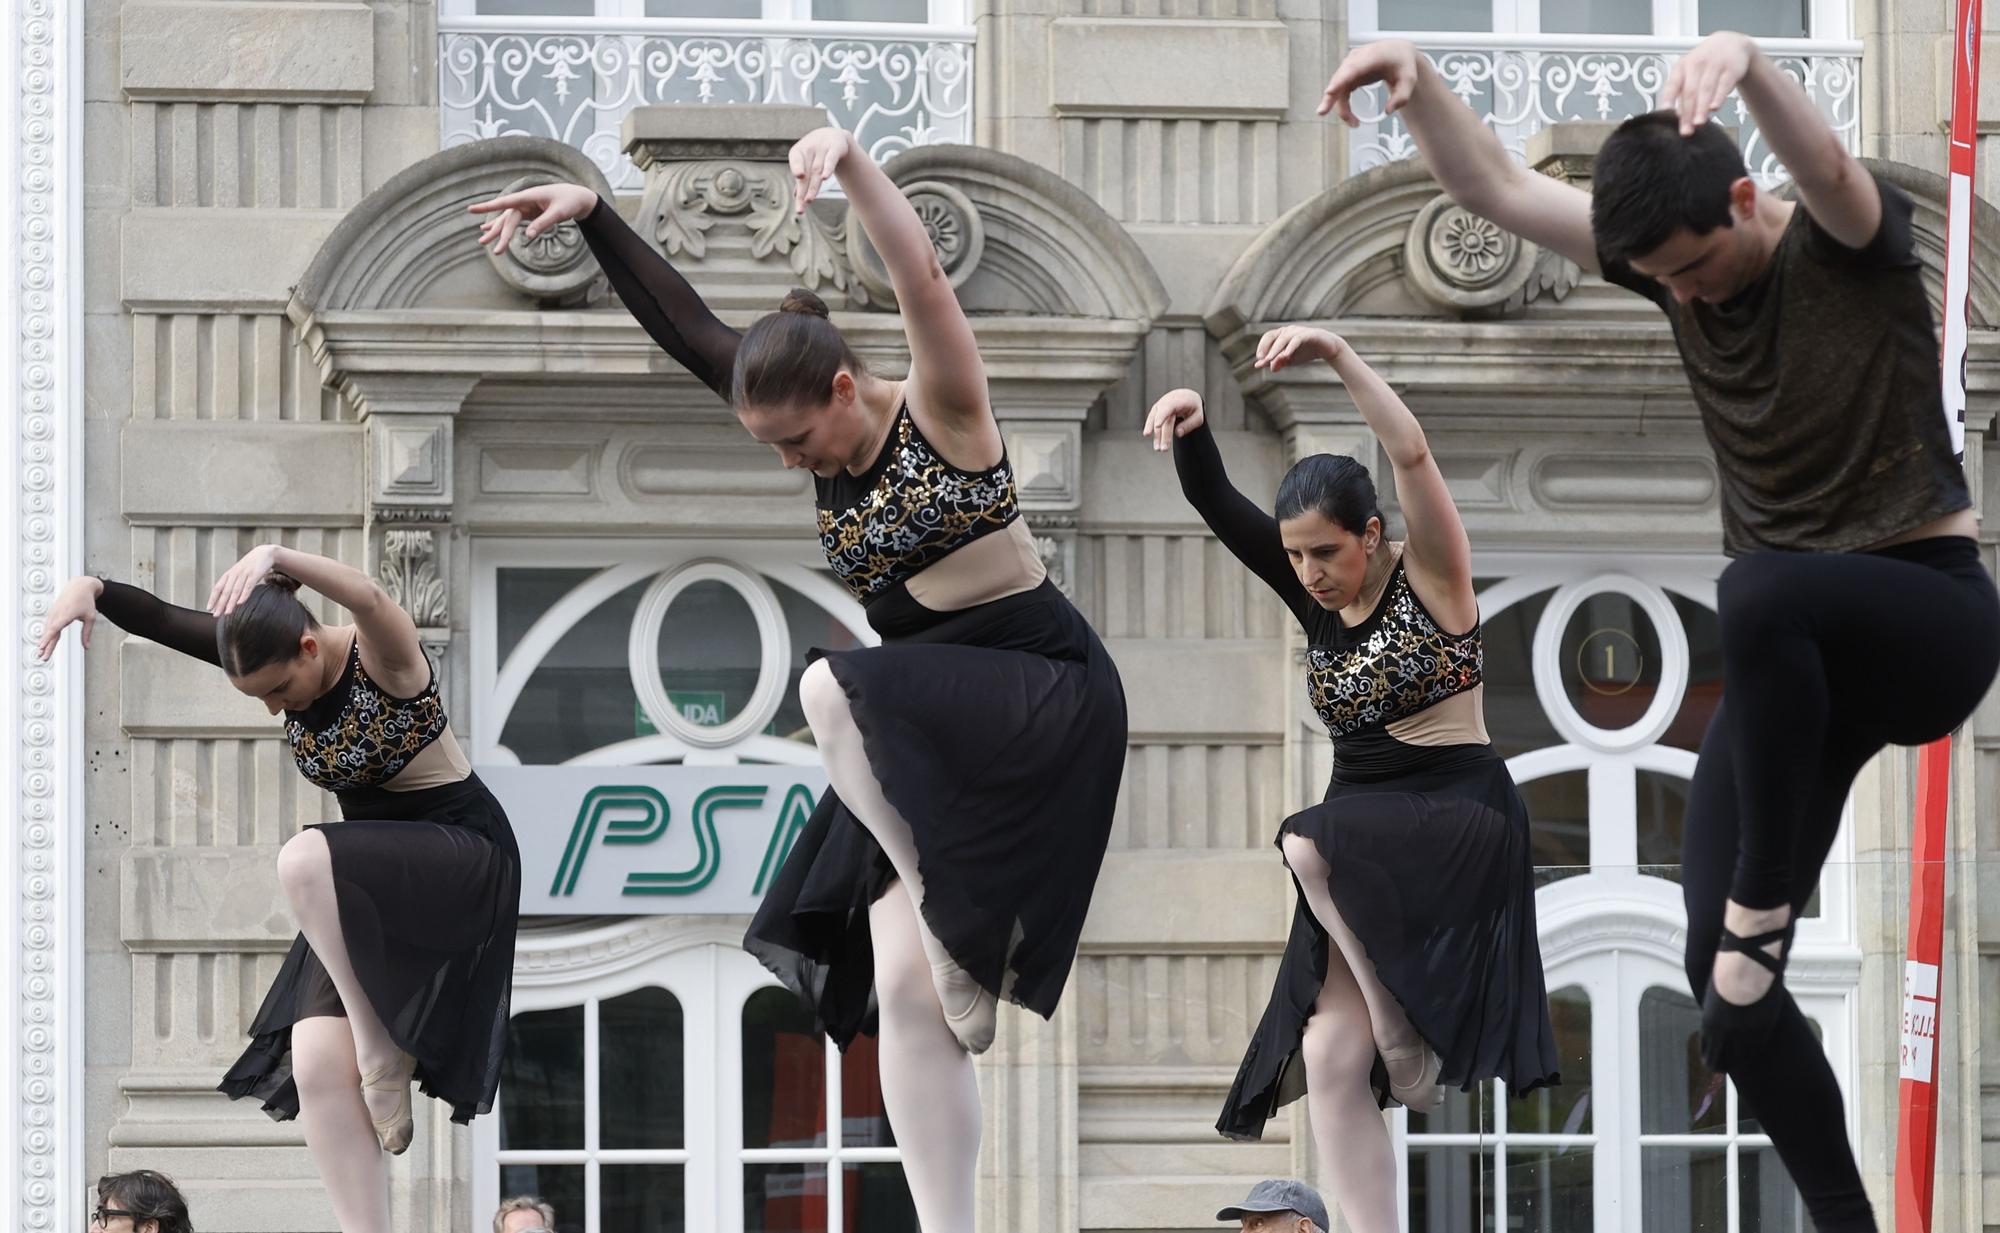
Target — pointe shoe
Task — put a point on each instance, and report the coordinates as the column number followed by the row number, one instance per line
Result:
column 970, row 1011
column 1423, row 1093
column 395, row 1131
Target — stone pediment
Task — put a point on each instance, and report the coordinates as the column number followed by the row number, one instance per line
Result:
column 410, row 245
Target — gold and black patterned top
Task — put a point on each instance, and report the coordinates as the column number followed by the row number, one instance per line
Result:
column 357, row 736
column 1393, row 665
column 910, row 509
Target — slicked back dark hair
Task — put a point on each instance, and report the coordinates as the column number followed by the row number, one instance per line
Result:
column 1650, row 182
column 1334, row 485
column 265, row 628
column 788, row 358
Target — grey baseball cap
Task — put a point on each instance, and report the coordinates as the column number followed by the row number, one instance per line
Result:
column 1279, row 1195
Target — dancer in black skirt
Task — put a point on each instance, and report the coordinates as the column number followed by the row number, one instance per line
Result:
column 406, row 910
column 975, row 756
column 1412, row 963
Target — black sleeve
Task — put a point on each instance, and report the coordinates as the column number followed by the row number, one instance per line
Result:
column 1244, row 528
column 1893, row 246
column 1618, row 273
column 662, row 301
column 187, row 630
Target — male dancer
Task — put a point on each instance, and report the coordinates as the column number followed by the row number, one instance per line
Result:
column 1856, row 613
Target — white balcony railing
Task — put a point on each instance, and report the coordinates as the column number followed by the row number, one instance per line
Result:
column 893, row 86
column 1521, row 84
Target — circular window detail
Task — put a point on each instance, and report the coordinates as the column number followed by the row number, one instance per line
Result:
column 1611, row 662
column 689, row 683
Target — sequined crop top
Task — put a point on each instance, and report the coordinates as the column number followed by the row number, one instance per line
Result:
column 357, row 736
column 353, row 736
column 1360, row 679
column 910, row 509
column 1391, row 666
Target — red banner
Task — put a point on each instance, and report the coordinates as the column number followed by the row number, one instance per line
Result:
column 1916, row 1143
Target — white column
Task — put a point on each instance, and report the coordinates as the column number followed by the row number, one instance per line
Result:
column 41, row 891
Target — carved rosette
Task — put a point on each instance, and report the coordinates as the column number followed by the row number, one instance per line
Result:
column 685, row 202
column 950, row 219
column 1460, row 261
column 555, row 267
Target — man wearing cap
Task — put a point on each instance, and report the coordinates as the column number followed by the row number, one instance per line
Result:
column 1279, row 1205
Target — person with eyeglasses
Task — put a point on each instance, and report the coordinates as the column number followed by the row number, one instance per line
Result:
column 524, row 1213
column 141, row 1201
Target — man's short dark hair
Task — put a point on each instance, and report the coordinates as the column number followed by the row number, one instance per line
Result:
column 148, row 1196
column 1650, row 182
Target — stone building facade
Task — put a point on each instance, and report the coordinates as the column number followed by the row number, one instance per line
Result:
column 249, row 307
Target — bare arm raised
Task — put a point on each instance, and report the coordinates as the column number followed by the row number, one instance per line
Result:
column 1437, row 554
column 946, row 374
column 1837, row 190
column 1465, row 156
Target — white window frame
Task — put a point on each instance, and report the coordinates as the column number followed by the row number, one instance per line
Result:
column 702, row 963
column 1672, row 19
column 495, row 686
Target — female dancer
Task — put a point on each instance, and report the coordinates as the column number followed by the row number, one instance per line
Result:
column 1416, row 867
column 975, row 756
column 406, row 910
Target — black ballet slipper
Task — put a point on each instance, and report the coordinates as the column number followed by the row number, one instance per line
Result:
column 1730, row 1032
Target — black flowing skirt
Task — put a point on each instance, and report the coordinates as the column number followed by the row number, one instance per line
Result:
column 998, row 733
column 1430, row 866
column 429, row 888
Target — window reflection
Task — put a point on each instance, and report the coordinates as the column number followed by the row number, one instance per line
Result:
column 1559, row 825
column 541, row 1080
column 784, row 1073
column 641, row 1065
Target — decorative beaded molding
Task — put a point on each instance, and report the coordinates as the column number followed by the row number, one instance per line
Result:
column 43, row 942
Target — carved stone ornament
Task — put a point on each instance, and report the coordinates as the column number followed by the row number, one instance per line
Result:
column 555, row 267
column 686, row 201
column 1460, row 261
column 950, row 219
column 409, row 572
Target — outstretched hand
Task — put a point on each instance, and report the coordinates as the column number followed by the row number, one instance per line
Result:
column 1392, row 62
column 814, row 158
column 1701, row 80
column 1297, row 344
column 1176, row 414
column 541, row 207
column 76, row 604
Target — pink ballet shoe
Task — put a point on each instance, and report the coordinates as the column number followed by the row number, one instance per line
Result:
column 970, row 1011
column 395, row 1131
column 1423, row 1093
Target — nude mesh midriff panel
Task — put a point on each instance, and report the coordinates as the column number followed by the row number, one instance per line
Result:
column 440, row 762
column 994, row 566
column 1458, row 720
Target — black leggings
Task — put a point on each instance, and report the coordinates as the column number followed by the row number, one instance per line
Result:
column 1827, row 658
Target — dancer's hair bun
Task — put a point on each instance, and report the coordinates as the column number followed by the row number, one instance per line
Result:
column 799, row 300
column 280, row 582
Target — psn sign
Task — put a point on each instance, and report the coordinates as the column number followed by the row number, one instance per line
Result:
column 652, row 839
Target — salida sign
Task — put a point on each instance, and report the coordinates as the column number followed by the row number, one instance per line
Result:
column 652, row 839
